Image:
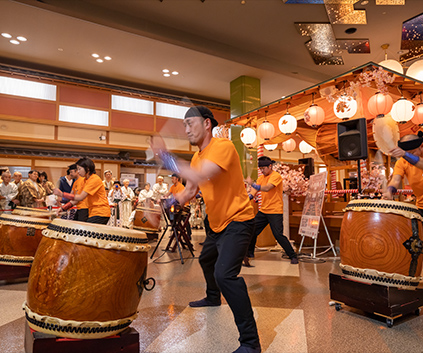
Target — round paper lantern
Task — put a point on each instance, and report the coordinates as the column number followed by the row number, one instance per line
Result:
column 402, row 110
column 305, row 147
column 380, row 104
column 314, row 115
column 345, row 107
column 416, row 70
column 248, row 136
column 392, row 65
column 289, row 145
column 287, row 124
column 266, row 131
column 418, row 115
column 271, row 147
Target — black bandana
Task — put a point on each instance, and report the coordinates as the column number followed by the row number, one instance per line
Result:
column 412, row 144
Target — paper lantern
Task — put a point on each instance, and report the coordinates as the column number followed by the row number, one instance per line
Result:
column 402, row 110
column 392, row 65
column 305, row 147
column 271, row 147
column 266, row 131
column 314, row 115
column 345, row 107
column 416, row 70
column 248, row 136
column 289, row 145
column 287, row 124
column 380, row 104
column 418, row 115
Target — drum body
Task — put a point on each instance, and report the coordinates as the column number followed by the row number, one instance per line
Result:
column 19, row 238
column 86, row 280
column 147, row 219
column 378, row 242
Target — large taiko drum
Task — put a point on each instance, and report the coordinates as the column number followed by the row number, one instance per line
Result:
column 147, row 219
column 86, row 280
column 33, row 212
column 19, row 238
column 380, row 243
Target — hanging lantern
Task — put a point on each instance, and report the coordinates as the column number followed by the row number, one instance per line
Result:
column 314, row 115
column 288, row 123
column 248, row 136
column 305, row 147
column 418, row 115
column 380, row 104
column 271, row 147
column 289, row 145
column 345, row 107
column 402, row 110
column 392, row 65
column 416, row 70
column 266, row 131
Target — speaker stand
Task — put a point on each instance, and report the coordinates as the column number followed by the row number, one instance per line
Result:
column 359, row 176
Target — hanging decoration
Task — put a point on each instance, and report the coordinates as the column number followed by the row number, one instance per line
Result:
column 289, row 145
column 416, row 70
column 380, row 104
column 314, row 115
column 391, row 64
column 345, row 107
column 402, row 110
column 271, row 147
column 418, row 113
column 248, row 137
column 293, row 180
column 222, row 131
column 381, row 77
column 266, row 130
column 288, row 123
column 305, row 147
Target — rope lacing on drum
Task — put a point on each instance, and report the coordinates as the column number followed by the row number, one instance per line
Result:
column 382, row 205
column 95, row 235
column 16, row 261
column 380, row 279
column 22, row 221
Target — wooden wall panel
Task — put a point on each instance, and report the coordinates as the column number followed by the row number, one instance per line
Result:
column 122, row 120
column 22, row 107
column 130, row 140
column 26, row 130
column 170, row 127
column 83, row 96
column 80, row 135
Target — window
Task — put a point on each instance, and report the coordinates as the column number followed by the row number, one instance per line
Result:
column 133, row 105
column 171, row 110
column 29, row 89
column 83, row 116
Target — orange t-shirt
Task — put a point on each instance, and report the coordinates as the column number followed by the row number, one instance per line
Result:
column 96, row 200
column 225, row 195
column 414, row 176
column 77, row 188
column 271, row 201
column 176, row 189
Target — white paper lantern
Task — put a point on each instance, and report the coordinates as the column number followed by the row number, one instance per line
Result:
column 314, row 115
column 271, row 147
column 287, row 124
column 392, row 65
column 416, row 70
column 248, row 136
column 305, row 147
column 266, row 131
column 289, row 145
column 402, row 110
column 345, row 107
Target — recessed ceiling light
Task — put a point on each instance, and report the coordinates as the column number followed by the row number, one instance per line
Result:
column 364, row 2
column 6, row 35
column 99, row 60
column 166, row 75
column 107, row 58
column 351, row 30
column 165, row 71
column 95, row 55
column 175, row 73
column 60, row 49
column 22, row 39
column 14, row 41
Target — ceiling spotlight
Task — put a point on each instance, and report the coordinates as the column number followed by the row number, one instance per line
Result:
column 22, row 39
column 351, row 30
column 175, row 73
column 60, row 49
column 6, row 35
column 14, row 41
column 165, row 71
column 107, row 58
column 95, row 55
column 364, row 2
column 243, row 2
column 99, row 60
column 166, row 75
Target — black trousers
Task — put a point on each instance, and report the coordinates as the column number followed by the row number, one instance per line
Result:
column 98, row 220
column 221, row 261
column 276, row 224
column 81, row 215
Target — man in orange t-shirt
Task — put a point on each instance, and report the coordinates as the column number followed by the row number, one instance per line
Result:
column 81, row 214
column 271, row 211
column 176, row 187
column 216, row 170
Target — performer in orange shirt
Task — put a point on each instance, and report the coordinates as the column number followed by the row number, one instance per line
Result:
column 216, row 170
column 271, row 211
column 176, row 187
column 93, row 192
column 81, row 214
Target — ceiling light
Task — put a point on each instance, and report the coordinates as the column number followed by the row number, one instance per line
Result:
column 165, row 71
column 175, row 73
column 107, row 58
column 95, row 55
column 99, row 60
column 6, row 35
column 351, row 30
column 14, row 41
column 364, row 2
column 60, row 49
column 166, row 75
column 22, row 39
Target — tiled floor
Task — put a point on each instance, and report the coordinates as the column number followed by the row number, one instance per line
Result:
column 291, row 305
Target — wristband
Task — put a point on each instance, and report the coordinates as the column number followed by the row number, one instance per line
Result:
column 250, row 196
column 255, row 186
column 68, row 196
column 67, row 206
column 169, row 161
column 411, row 158
column 392, row 189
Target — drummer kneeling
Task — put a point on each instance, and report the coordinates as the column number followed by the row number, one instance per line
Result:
column 410, row 165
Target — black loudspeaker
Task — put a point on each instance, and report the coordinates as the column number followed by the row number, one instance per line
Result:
column 352, row 139
column 309, row 166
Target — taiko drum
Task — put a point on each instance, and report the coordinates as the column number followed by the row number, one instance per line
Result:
column 379, row 241
column 147, row 219
column 86, row 280
column 33, row 212
column 19, row 238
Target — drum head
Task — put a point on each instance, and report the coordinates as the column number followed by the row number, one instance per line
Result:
column 386, row 133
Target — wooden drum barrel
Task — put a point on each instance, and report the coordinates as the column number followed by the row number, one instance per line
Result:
column 380, row 242
column 19, row 238
column 147, row 219
column 86, row 280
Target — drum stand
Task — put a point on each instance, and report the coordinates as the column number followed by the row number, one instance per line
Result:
column 315, row 241
column 179, row 233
